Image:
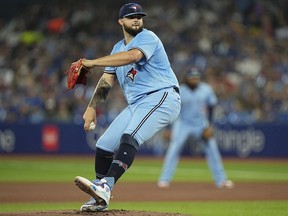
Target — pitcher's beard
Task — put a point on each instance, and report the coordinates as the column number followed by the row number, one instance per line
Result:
column 132, row 31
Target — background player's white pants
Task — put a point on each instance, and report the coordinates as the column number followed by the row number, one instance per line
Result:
column 142, row 119
column 180, row 133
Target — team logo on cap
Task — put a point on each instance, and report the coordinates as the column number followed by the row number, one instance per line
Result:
column 131, row 74
column 135, row 7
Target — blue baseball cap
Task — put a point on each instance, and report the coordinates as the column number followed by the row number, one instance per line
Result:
column 131, row 9
column 193, row 72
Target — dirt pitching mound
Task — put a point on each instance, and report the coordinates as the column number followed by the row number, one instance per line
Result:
column 107, row 213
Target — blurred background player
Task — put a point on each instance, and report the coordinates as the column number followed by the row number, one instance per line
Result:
column 197, row 102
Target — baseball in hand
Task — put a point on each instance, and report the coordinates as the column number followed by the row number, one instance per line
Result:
column 92, row 126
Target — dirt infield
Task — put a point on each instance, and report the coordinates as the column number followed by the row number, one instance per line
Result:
column 108, row 213
column 63, row 192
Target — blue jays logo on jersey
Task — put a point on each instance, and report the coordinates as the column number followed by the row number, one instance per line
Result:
column 135, row 7
column 131, row 74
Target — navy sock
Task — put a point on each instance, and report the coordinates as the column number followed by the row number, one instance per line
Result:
column 103, row 160
column 123, row 159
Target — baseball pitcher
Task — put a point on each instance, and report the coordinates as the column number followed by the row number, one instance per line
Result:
column 141, row 66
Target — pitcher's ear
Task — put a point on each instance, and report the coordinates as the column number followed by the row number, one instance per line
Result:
column 120, row 21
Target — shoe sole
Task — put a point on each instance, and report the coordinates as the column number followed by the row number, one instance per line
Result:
column 84, row 185
column 93, row 209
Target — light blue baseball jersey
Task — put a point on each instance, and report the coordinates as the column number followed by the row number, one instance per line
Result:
column 138, row 79
column 195, row 102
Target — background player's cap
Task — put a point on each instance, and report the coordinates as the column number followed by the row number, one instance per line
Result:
column 131, row 9
column 193, row 72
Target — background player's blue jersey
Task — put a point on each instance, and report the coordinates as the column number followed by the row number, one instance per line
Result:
column 192, row 121
column 195, row 102
column 145, row 76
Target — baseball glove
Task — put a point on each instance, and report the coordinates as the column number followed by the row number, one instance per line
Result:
column 207, row 133
column 77, row 74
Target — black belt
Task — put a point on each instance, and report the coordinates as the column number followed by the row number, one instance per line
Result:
column 174, row 87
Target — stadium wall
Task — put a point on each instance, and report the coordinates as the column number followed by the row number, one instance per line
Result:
column 263, row 140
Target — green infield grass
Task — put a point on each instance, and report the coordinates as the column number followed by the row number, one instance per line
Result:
column 63, row 169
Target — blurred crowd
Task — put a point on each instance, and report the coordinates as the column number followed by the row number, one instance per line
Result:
column 241, row 46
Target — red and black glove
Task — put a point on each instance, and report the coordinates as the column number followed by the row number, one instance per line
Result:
column 77, row 74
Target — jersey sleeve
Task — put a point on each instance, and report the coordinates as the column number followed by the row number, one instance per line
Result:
column 212, row 99
column 110, row 69
column 146, row 43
